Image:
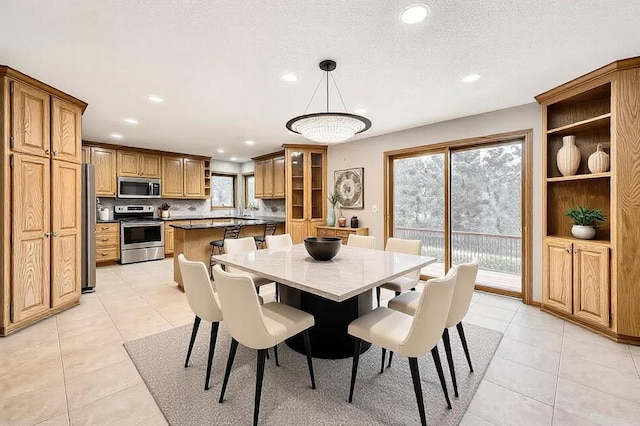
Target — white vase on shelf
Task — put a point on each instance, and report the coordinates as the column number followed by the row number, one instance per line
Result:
column 568, row 158
column 598, row 161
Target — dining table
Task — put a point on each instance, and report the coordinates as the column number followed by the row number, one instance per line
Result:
column 335, row 292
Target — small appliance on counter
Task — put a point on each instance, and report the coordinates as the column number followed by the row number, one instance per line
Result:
column 104, row 213
column 141, row 235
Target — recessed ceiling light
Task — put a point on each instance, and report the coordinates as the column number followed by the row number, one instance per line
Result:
column 221, row 151
column 249, row 142
column 360, row 110
column 290, row 77
column 156, row 99
column 471, row 78
column 116, row 135
column 233, row 159
column 131, row 121
column 415, row 13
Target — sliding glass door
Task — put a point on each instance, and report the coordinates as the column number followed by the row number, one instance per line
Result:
column 466, row 200
column 419, row 205
column 486, row 212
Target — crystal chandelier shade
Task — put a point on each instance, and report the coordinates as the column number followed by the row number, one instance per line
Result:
column 328, row 127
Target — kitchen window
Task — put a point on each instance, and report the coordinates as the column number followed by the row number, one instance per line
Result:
column 223, row 191
column 249, row 190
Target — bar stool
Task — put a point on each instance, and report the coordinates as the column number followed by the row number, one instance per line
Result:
column 230, row 232
column 269, row 229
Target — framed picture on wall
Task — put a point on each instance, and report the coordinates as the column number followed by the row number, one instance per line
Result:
column 349, row 186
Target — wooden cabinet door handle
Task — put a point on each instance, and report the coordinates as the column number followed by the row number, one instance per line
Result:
column 104, row 253
column 105, row 239
column 104, row 228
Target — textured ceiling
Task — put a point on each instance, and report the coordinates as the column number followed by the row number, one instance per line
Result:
column 218, row 64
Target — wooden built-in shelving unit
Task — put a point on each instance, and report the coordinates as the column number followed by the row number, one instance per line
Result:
column 594, row 283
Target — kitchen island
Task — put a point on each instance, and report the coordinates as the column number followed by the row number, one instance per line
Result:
column 193, row 240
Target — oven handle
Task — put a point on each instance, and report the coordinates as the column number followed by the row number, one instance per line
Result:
column 138, row 224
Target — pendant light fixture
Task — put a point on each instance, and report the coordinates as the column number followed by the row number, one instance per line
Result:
column 328, row 127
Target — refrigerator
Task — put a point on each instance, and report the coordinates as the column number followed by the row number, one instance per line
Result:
column 88, row 228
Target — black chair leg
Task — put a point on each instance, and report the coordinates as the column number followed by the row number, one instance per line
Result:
column 452, row 369
column 378, row 295
column 436, row 360
column 268, row 354
column 212, row 348
column 194, row 332
column 390, row 358
column 417, row 388
column 232, row 355
column 384, row 354
column 259, row 376
column 354, row 369
column 464, row 344
column 275, row 352
column 307, row 348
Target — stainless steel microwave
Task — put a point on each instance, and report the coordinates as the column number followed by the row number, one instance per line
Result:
column 131, row 187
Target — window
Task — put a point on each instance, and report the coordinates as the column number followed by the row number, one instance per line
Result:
column 223, row 191
column 249, row 190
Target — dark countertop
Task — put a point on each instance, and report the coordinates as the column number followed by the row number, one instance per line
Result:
column 108, row 221
column 230, row 222
column 271, row 219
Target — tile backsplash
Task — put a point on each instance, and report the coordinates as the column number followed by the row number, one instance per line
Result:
column 191, row 208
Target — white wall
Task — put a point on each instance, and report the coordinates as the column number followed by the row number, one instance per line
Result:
column 368, row 153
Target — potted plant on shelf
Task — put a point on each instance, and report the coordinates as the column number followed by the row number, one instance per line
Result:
column 331, row 217
column 164, row 210
column 585, row 221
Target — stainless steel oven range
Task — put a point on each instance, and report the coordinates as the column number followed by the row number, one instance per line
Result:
column 141, row 235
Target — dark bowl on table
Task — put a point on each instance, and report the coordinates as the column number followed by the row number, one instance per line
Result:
column 322, row 248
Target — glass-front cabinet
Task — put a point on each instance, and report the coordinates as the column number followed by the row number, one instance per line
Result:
column 306, row 190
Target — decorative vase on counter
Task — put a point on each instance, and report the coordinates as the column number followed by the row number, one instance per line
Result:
column 331, row 217
column 568, row 158
column 583, row 232
column 598, row 161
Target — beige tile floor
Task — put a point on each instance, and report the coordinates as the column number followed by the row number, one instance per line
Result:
column 73, row 369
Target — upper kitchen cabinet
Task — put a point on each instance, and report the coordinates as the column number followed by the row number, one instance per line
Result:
column 194, row 177
column 66, row 131
column 40, row 230
column 138, row 164
column 172, row 177
column 104, row 161
column 30, row 119
column 269, row 172
column 306, row 190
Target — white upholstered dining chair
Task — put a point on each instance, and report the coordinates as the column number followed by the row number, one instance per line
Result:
column 257, row 327
column 241, row 246
column 281, row 241
column 406, row 335
column 203, row 303
column 408, row 303
column 362, row 241
column 405, row 282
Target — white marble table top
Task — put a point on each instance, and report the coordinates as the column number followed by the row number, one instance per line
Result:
column 353, row 271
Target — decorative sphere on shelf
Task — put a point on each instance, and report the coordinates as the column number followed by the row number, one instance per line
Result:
column 598, row 161
column 323, row 248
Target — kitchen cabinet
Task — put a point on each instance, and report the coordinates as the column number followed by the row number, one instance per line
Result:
column 138, row 164
column 269, row 173
column 31, row 124
column 42, row 207
column 168, row 234
column 172, row 177
column 306, row 172
column 193, row 178
column 183, row 177
column 577, row 280
column 107, row 242
column 104, row 162
column 66, row 133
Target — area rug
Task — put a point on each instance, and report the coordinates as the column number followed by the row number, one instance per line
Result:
column 287, row 397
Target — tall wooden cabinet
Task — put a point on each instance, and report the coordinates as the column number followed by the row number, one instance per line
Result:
column 306, row 182
column 594, row 283
column 41, row 191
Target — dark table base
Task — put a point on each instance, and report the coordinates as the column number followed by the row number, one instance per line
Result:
column 329, row 337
